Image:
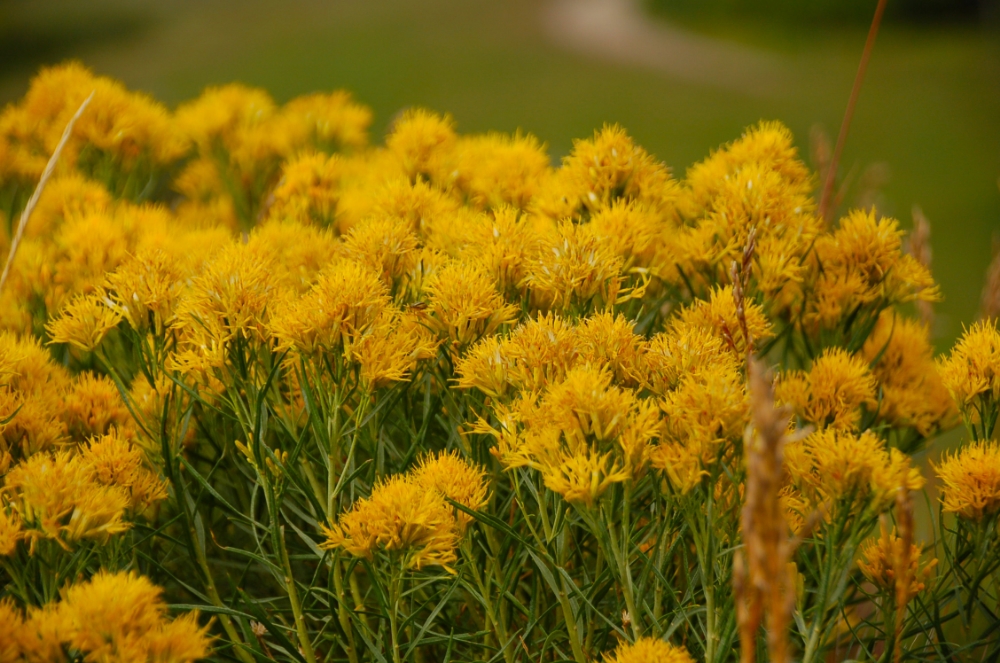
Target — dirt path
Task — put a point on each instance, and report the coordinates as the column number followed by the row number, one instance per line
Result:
column 618, row 31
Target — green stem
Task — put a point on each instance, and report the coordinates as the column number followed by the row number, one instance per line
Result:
column 305, row 644
column 345, row 621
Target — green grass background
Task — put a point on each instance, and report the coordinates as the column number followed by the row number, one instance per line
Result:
column 930, row 109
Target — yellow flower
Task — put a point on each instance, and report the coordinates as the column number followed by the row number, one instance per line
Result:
column 503, row 243
column 681, row 351
column 345, row 301
column 456, row 479
column 145, row 290
column 610, row 342
column 912, row 392
column 399, row 517
column 229, row 299
column 384, row 245
column 117, row 462
column 332, row 121
column 388, row 351
column 122, row 616
column 832, row 392
column 971, row 373
column 611, row 166
column 583, row 476
column 649, row 650
column 10, row 533
column 84, row 322
column 971, row 480
column 682, row 465
column 421, row 140
column 574, row 268
column 881, row 559
column 464, row 305
column 719, row 315
column 540, row 352
column 485, row 367
column 301, row 251
column 837, row 465
column 861, row 265
column 34, row 393
column 94, row 407
column 496, row 169
column 58, row 497
column 308, row 190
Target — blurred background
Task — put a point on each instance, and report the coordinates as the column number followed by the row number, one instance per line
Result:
column 683, row 76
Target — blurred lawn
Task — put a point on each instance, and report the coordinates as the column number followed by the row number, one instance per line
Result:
column 930, row 109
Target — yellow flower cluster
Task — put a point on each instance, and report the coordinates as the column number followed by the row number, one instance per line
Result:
column 408, row 515
column 649, row 650
column 114, row 617
column 971, row 480
column 240, row 264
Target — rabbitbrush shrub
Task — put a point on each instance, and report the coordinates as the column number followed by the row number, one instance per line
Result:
column 272, row 393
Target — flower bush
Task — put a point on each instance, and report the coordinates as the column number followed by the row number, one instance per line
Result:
column 273, row 393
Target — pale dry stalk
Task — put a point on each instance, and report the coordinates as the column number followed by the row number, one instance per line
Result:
column 763, row 576
column 990, row 305
column 902, row 563
column 920, row 249
column 739, row 273
column 37, row 193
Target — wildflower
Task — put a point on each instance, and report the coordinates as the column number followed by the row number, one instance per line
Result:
column 385, row 245
column 485, row 367
column 84, row 322
column 836, row 465
column 682, row 465
column 117, row 462
column 503, row 243
column 837, row 385
column 496, row 169
column 346, row 299
column 308, row 190
column 121, row 616
column 912, row 393
column 631, row 230
column 58, row 498
column 11, row 629
column 453, row 477
column 34, row 393
column 971, row 373
column 574, row 269
column 301, row 251
column 399, row 517
column 861, row 265
column 145, row 290
column 94, row 407
column 649, row 650
column 610, row 341
column 541, row 351
column 719, row 314
column 612, row 166
column 419, row 139
column 883, row 558
column 331, row 122
column 464, row 305
column 10, row 533
column 389, row 350
column 971, row 480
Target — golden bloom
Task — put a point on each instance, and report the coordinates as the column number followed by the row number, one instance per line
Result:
column 385, row 245
column 122, row 617
column 332, row 121
column 971, row 480
column 308, row 190
column 94, row 407
column 719, row 314
column 115, row 461
column 682, row 465
column 464, row 305
column 971, row 373
column 649, row 650
column 832, row 392
column 540, row 352
column 573, row 268
column 455, row 478
column 84, row 322
column 421, row 140
column 912, row 393
column 345, row 301
column 610, row 341
column 399, row 517
column 836, row 465
column 145, row 290
column 882, row 560
column 496, row 169
column 58, row 497
column 390, row 348
column 10, row 534
column 485, row 367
